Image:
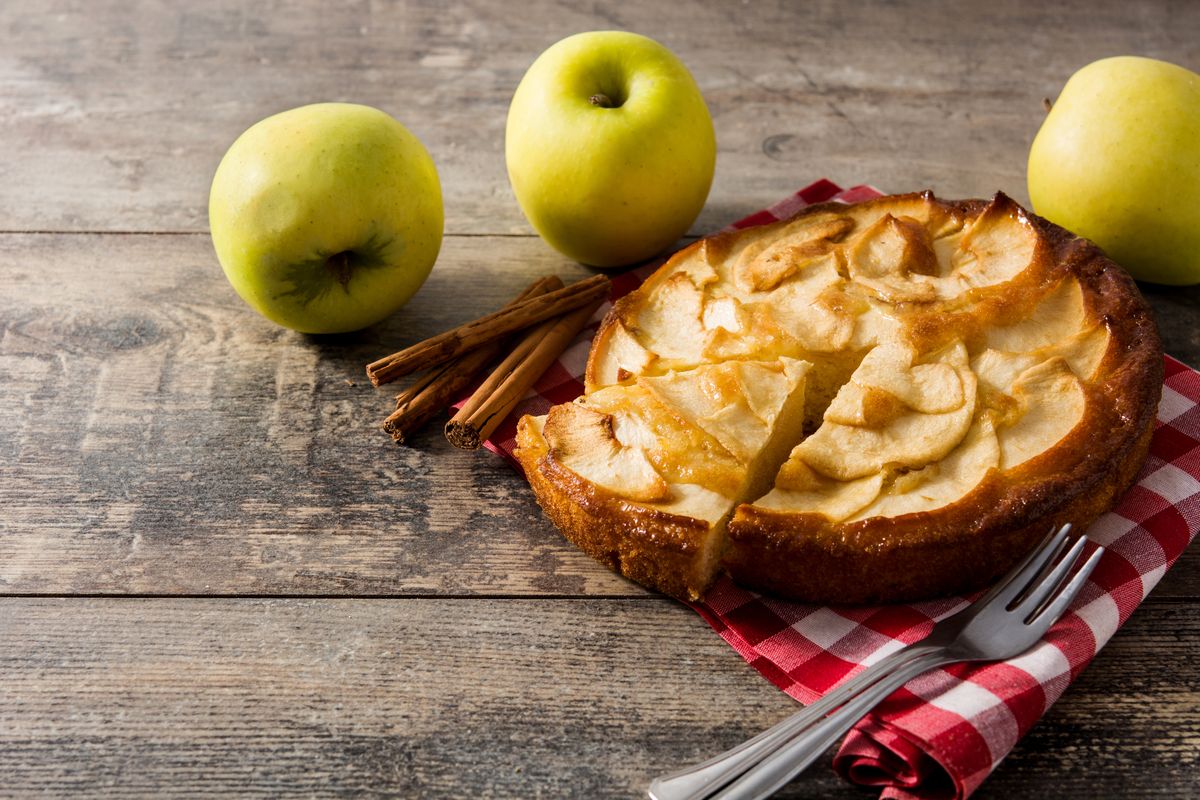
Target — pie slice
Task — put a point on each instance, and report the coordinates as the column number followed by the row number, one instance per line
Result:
column 645, row 475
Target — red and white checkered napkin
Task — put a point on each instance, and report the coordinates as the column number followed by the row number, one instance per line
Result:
column 944, row 732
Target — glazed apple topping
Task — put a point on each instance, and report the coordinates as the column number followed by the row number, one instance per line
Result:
column 929, row 365
column 708, row 427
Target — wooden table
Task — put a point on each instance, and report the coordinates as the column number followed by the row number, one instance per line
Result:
column 219, row 577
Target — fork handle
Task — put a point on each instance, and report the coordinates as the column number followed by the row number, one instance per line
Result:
column 794, row 756
column 701, row 780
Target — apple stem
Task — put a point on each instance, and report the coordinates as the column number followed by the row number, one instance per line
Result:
column 1046, row 104
column 341, row 265
column 600, row 99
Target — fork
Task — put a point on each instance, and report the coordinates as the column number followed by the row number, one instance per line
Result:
column 1006, row 621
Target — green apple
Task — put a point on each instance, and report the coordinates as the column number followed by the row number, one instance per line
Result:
column 610, row 147
column 1117, row 161
column 326, row 218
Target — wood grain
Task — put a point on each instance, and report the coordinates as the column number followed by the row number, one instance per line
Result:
column 119, row 112
column 434, row 698
column 159, row 437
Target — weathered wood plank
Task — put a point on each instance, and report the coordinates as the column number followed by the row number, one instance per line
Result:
column 118, row 114
column 427, row 698
column 157, row 436
column 447, row 698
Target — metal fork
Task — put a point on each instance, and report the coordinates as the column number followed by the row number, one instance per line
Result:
column 1009, row 619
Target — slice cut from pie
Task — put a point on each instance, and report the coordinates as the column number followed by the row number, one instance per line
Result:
column 879, row 402
column 645, row 475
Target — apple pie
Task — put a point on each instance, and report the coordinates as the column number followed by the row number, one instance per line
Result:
column 880, row 402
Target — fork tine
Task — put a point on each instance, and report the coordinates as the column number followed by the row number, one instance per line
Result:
column 1053, row 580
column 1018, row 578
column 1055, row 608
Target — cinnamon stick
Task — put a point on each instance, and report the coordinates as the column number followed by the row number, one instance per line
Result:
column 446, row 346
column 524, row 347
column 435, row 390
column 539, row 287
column 499, row 394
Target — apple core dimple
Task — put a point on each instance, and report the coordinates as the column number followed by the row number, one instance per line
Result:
column 609, row 147
column 369, row 182
column 342, row 266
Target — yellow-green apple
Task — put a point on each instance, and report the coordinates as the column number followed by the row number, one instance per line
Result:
column 326, row 218
column 1117, row 160
column 610, row 147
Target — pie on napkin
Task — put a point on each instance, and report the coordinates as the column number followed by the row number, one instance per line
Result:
column 871, row 403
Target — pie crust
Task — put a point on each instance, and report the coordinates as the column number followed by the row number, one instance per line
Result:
column 881, row 402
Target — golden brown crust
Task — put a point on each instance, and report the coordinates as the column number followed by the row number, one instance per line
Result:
column 656, row 549
column 917, row 556
column 958, row 547
column 966, row 545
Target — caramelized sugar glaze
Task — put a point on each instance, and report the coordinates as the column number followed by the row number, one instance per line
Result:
column 880, row 402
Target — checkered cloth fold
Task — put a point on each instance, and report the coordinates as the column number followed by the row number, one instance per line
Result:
column 944, row 732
